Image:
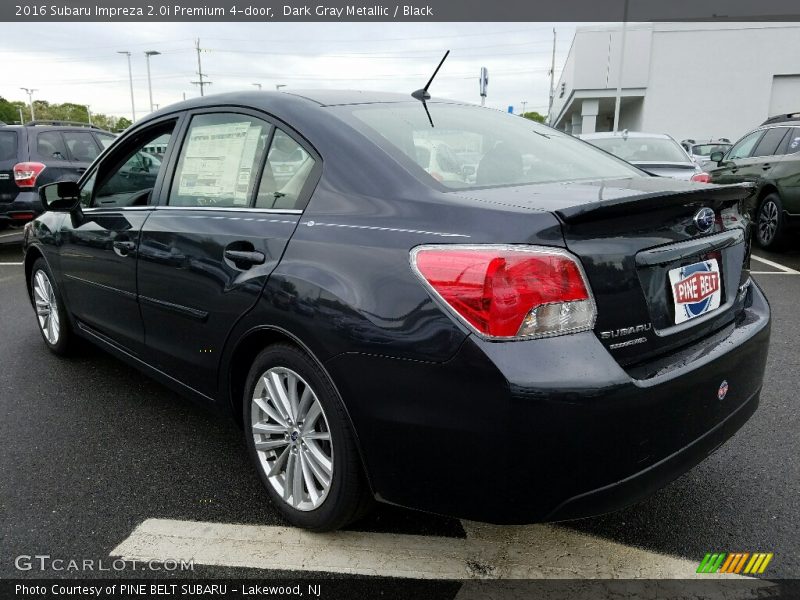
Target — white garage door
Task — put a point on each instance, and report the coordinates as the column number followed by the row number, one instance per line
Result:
column 785, row 95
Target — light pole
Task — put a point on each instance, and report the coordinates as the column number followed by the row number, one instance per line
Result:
column 30, row 91
column 130, row 79
column 278, row 86
column 258, row 85
column 147, row 55
column 89, row 112
column 524, row 102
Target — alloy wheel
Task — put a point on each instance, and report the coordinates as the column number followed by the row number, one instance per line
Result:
column 768, row 222
column 292, row 438
column 46, row 307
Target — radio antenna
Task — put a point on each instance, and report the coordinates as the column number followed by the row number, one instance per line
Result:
column 422, row 95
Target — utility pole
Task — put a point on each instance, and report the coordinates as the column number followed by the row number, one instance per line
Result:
column 552, row 80
column 258, row 85
column 278, row 86
column 21, row 118
column 618, row 100
column 89, row 112
column 130, row 80
column 30, row 91
column 147, row 55
column 202, row 83
column 524, row 103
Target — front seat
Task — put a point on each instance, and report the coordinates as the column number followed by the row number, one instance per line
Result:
column 501, row 164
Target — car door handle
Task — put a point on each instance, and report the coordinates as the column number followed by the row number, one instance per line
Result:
column 80, row 170
column 123, row 248
column 766, row 167
column 244, row 257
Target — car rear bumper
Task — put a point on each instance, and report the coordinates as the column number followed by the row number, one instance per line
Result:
column 547, row 429
column 25, row 207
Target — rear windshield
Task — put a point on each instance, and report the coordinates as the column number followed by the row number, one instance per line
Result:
column 708, row 149
column 8, row 146
column 470, row 147
column 642, row 149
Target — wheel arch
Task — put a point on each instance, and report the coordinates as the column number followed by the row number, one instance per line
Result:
column 241, row 359
column 32, row 254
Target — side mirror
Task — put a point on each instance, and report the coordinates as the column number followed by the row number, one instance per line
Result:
column 61, row 196
column 716, row 156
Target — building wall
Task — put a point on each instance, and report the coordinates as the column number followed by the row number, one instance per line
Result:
column 698, row 80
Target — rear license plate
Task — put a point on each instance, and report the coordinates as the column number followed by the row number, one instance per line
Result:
column 696, row 289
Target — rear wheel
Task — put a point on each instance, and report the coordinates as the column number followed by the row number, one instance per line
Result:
column 50, row 312
column 769, row 222
column 300, row 440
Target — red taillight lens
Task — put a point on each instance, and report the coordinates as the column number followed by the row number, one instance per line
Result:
column 25, row 173
column 701, row 177
column 509, row 291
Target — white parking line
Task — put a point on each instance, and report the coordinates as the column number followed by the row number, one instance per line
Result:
column 11, row 264
column 488, row 552
column 784, row 270
column 12, row 234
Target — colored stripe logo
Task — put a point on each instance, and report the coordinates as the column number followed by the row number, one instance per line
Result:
column 743, row 563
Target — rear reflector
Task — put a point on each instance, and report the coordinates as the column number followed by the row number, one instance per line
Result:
column 701, row 177
column 25, row 173
column 509, row 291
column 22, row 216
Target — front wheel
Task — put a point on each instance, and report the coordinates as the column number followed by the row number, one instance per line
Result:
column 769, row 222
column 300, row 440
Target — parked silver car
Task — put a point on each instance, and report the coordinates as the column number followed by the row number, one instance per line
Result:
column 700, row 151
column 656, row 153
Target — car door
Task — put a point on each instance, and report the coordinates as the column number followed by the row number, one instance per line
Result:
column 766, row 155
column 83, row 150
column 99, row 247
column 787, row 173
column 48, row 147
column 219, row 231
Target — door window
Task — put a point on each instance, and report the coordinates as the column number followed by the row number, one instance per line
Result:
column 286, row 173
column 127, row 177
column 791, row 143
column 50, row 145
column 81, row 145
column 745, row 146
column 768, row 146
column 219, row 161
column 8, row 146
column 105, row 139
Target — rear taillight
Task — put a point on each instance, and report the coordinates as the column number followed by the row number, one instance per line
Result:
column 701, row 177
column 509, row 291
column 25, row 173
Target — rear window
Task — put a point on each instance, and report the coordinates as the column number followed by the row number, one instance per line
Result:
column 8, row 146
column 642, row 149
column 470, row 147
column 708, row 149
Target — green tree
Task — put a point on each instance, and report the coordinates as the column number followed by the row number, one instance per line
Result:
column 9, row 111
column 534, row 116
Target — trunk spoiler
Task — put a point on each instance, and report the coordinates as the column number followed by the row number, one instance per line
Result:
column 646, row 201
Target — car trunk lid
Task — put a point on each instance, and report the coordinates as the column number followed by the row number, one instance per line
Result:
column 666, row 267
column 8, row 158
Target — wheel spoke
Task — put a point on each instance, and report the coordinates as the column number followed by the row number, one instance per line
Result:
column 297, row 481
column 311, row 417
column 278, row 394
column 279, row 462
column 313, row 492
column 317, row 435
column 271, row 412
column 270, row 444
column 268, row 428
column 291, row 387
column 319, row 456
column 289, row 476
column 323, row 476
column 306, row 398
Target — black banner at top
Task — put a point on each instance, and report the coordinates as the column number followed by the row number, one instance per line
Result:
column 405, row 10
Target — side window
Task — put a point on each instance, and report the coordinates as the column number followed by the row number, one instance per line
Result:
column 87, row 189
column 8, row 146
column 81, row 145
column 50, row 145
column 219, row 161
column 744, row 146
column 768, row 146
column 127, row 177
column 285, row 174
column 792, row 142
column 105, row 139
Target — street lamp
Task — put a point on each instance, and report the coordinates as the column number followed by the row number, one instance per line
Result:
column 278, row 86
column 258, row 85
column 130, row 79
column 30, row 91
column 148, row 54
column 89, row 112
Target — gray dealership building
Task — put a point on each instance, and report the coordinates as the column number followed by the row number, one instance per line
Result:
column 690, row 80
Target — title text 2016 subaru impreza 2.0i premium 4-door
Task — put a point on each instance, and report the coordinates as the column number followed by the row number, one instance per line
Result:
column 552, row 335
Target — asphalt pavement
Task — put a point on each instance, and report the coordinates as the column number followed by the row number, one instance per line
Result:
column 92, row 449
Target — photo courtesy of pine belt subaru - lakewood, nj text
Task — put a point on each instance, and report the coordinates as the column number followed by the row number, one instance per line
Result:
column 542, row 333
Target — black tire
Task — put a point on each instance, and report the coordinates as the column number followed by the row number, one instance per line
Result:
column 64, row 342
column 3, row 225
column 347, row 497
column 770, row 223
